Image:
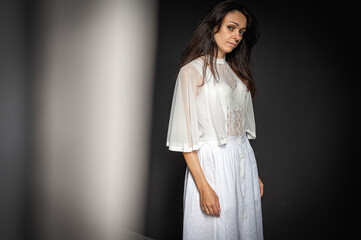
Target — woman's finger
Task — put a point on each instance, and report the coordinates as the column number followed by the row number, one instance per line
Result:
column 261, row 186
column 218, row 207
column 206, row 211
column 210, row 209
column 215, row 210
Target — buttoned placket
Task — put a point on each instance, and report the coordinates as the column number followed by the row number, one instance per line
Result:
column 243, row 175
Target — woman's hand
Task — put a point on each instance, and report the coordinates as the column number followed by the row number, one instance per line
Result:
column 261, row 186
column 208, row 198
column 209, row 201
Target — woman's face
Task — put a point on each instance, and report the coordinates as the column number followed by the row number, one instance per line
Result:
column 230, row 32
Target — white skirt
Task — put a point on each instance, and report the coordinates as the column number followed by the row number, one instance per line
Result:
column 231, row 170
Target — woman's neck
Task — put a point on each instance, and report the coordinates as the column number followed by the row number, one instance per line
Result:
column 220, row 54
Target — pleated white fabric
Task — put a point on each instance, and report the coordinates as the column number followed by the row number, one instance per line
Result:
column 231, row 170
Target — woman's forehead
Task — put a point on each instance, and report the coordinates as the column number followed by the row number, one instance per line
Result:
column 236, row 18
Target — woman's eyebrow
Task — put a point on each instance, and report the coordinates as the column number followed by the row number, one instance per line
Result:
column 237, row 24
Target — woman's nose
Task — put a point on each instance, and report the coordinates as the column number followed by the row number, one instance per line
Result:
column 237, row 37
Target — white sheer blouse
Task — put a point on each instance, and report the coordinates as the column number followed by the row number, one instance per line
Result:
column 211, row 112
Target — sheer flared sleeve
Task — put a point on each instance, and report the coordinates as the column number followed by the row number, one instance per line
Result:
column 183, row 131
column 250, row 126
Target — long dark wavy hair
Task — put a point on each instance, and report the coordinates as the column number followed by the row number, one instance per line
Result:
column 202, row 43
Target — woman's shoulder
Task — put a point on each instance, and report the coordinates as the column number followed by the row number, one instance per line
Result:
column 194, row 65
column 192, row 70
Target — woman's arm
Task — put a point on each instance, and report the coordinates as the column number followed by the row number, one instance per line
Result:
column 208, row 198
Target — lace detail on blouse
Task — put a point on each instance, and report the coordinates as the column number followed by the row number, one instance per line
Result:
column 233, row 88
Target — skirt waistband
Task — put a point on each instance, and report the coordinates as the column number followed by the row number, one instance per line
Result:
column 230, row 139
column 235, row 139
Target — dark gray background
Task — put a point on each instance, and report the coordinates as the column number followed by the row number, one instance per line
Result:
column 306, row 74
column 16, row 74
column 303, row 118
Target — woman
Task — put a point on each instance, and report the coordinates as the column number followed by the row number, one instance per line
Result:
column 211, row 122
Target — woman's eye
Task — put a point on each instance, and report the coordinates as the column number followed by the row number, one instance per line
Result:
column 230, row 28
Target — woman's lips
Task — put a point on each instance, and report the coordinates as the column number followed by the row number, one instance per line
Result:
column 232, row 44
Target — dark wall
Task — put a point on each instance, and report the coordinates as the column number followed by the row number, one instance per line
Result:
column 16, row 29
column 302, row 115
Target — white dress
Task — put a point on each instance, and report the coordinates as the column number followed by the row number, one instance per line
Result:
column 216, row 120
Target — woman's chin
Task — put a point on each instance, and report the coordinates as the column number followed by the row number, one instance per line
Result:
column 228, row 50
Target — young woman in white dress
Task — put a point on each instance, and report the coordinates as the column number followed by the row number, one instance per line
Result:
column 211, row 122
